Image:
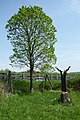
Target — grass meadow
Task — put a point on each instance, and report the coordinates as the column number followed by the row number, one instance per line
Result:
column 39, row 106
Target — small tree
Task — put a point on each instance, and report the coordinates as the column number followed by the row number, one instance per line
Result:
column 47, row 70
column 32, row 36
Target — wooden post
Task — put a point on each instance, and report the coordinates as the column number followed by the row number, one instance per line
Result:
column 22, row 76
column 64, row 94
column 10, row 81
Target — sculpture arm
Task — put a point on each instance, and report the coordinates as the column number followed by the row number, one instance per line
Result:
column 67, row 69
column 58, row 69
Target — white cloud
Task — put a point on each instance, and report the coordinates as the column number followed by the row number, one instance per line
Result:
column 75, row 5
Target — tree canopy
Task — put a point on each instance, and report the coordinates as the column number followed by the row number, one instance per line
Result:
column 32, row 36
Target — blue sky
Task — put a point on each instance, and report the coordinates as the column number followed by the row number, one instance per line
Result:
column 66, row 19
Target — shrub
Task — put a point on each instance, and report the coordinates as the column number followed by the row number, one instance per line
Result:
column 20, row 86
column 74, row 84
column 44, row 86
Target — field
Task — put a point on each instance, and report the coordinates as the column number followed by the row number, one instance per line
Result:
column 39, row 106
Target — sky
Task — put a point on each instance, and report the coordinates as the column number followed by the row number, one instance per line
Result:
column 66, row 19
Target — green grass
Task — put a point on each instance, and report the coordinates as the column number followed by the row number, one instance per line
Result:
column 39, row 106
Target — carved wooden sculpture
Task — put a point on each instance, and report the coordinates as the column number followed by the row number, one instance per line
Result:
column 64, row 93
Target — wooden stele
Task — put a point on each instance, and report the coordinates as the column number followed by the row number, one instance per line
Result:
column 64, row 93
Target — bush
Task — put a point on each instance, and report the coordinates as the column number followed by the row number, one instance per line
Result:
column 74, row 84
column 70, row 83
column 56, row 85
column 44, row 86
column 20, row 87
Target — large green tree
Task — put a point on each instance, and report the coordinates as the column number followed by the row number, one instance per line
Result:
column 32, row 36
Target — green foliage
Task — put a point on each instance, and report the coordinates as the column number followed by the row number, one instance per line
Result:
column 32, row 36
column 56, row 84
column 46, row 68
column 20, row 87
column 4, row 70
column 74, row 84
column 70, row 83
column 39, row 106
column 44, row 86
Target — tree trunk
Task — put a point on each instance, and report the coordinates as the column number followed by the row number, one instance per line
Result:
column 31, row 80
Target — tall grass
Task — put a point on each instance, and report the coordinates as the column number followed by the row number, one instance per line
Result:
column 39, row 106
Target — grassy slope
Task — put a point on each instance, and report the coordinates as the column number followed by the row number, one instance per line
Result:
column 39, row 106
